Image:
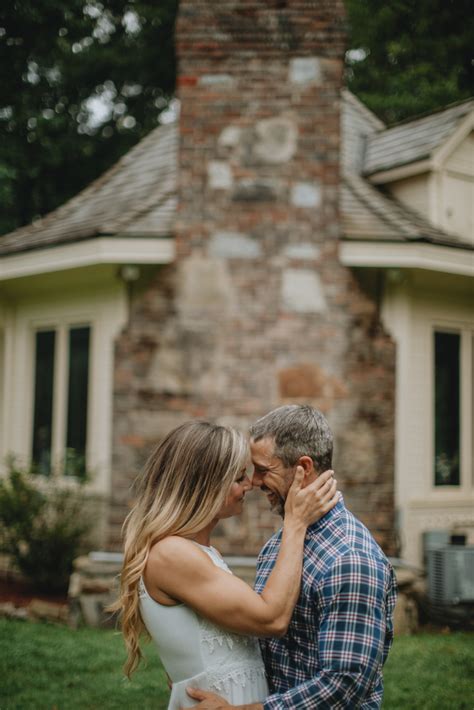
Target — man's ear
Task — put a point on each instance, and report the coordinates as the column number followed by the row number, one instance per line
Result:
column 306, row 462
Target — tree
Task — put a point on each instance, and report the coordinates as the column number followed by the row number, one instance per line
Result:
column 81, row 82
column 407, row 57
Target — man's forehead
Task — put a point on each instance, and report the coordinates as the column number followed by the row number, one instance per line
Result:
column 262, row 449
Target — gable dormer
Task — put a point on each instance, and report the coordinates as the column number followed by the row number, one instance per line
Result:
column 428, row 165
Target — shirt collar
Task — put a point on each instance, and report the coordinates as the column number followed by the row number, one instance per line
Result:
column 334, row 513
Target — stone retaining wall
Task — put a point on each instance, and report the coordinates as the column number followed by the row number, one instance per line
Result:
column 94, row 586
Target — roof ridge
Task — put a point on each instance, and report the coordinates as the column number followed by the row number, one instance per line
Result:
column 349, row 96
column 414, row 140
column 429, row 114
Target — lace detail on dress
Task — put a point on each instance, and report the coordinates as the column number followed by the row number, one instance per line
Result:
column 221, row 681
column 142, row 592
column 212, row 635
column 244, row 648
column 243, row 665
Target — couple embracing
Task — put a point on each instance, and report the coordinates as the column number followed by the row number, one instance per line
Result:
column 316, row 631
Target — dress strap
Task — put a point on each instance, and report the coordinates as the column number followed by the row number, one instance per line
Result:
column 142, row 590
column 214, row 555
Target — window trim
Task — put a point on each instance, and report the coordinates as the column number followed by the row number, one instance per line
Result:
column 466, row 413
column 38, row 376
column 99, row 299
column 61, row 325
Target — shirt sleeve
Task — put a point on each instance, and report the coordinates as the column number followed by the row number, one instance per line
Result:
column 266, row 561
column 351, row 604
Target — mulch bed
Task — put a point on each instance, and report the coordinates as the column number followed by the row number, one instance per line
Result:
column 20, row 594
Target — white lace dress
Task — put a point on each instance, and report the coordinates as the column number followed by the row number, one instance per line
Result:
column 197, row 653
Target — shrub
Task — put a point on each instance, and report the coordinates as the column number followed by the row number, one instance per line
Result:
column 41, row 530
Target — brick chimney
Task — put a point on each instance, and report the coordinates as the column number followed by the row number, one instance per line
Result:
column 258, row 311
column 259, row 84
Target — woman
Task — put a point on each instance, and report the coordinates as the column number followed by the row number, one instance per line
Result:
column 201, row 617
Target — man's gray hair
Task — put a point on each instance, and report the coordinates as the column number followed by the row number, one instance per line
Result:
column 298, row 430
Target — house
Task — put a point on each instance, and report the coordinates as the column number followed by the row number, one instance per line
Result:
column 408, row 224
column 64, row 300
column 248, row 257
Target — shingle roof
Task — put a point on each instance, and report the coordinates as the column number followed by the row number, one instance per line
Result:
column 412, row 140
column 136, row 197
column 357, row 123
column 368, row 215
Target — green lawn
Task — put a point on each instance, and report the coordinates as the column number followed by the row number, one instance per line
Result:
column 430, row 672
column 45, row 667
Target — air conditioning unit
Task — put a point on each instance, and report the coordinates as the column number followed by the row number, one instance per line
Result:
column 450, row 574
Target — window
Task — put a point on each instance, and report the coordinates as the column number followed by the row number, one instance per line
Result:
column 447, row 409
column 453, row 408
column 61, row 385
column 77, row 401
column 43, row 401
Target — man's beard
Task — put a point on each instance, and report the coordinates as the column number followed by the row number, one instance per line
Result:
column 277, row 504
column 280, row 507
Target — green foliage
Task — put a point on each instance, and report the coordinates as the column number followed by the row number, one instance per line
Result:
column 407, row 57
column 58, row 57
column 42, row 531
column 75, row 465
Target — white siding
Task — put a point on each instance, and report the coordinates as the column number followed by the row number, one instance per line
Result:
column 100, row 304
column 458, row 208
column 446, row 195
column 412, row 310
column 461, row 160
column 413, row 192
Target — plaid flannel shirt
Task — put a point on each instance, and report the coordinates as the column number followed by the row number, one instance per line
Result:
column 341, row 630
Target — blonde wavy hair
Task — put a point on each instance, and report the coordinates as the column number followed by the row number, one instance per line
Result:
column 180, row 491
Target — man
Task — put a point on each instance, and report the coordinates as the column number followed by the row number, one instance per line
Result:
column 341, row 631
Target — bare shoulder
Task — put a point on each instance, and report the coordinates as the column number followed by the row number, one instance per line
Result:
column 175, row 551
column 176, row 564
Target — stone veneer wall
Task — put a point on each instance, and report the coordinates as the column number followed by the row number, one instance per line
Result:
column 258, row 311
